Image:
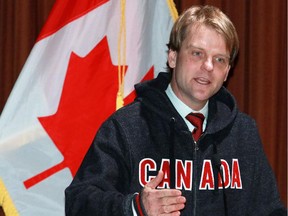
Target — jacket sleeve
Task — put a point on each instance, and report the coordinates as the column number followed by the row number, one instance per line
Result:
column 279, row 212
column 102, row 181
column 265, row 199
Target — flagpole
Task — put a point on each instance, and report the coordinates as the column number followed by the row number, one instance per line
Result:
column 121, row 57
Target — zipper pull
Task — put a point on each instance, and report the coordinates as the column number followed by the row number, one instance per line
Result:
column 196, row 146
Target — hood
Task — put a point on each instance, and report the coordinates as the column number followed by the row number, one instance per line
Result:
column 222, row 106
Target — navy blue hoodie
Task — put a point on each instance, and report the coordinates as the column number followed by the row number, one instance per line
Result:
column 225, row 173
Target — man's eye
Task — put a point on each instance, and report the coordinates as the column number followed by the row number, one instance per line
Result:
column 197, row 53
column 221, row 60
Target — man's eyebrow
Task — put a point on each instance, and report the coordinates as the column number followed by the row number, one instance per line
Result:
column 195, row 47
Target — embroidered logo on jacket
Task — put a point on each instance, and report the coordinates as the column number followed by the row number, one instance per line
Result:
column 184, row 174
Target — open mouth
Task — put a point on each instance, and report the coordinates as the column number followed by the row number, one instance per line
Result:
column 202, row 81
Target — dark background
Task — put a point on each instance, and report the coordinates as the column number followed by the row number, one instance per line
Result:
column 259, row 80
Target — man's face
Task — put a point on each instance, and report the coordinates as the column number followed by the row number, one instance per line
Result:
column 200, row 67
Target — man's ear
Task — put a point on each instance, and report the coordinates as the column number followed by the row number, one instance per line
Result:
column 172, row 56
column 227, row 73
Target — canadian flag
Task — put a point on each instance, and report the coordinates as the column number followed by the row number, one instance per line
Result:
column 82, row 67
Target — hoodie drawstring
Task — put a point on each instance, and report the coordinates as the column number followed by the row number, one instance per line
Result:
column 216, row 161
column 171, row 153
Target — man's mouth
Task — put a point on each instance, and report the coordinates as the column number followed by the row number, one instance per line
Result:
column 202, row 81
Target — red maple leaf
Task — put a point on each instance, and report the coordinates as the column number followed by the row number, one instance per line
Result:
column 88, row 98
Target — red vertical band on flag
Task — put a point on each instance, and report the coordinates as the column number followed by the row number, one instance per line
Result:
column 73, row 10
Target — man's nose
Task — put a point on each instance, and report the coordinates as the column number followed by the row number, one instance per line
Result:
column 208, row 64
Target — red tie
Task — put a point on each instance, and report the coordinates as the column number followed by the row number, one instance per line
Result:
column 196, row 119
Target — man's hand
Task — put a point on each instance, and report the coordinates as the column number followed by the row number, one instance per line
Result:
column 162, row 202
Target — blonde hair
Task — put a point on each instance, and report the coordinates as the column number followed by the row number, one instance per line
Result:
column 205, row 15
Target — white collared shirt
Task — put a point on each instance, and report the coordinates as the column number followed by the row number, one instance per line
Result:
column 184, row 110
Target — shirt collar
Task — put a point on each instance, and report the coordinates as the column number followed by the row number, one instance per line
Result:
column 184, row 110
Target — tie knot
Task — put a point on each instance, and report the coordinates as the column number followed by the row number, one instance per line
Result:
column 196, row 119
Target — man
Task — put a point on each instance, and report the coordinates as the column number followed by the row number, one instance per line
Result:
column 144, row 159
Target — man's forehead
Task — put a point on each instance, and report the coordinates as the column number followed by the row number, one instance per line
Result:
column 203, row 37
